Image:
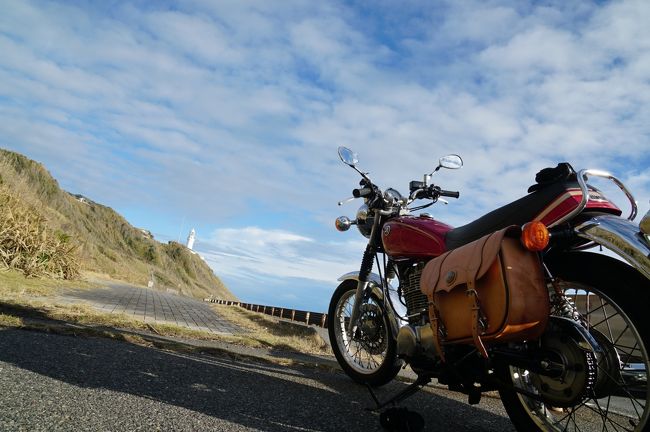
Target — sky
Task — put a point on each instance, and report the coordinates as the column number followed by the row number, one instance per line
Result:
column 225, row 116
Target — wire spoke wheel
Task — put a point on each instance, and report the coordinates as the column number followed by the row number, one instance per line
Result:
column 367, row 354
column 366, row 348
column 618, row 400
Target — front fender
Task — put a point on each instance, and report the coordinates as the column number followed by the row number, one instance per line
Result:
column 373, row 278
column 622, row 237
column 395, row 308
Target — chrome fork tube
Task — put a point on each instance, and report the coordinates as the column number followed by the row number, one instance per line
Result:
column 356, row 307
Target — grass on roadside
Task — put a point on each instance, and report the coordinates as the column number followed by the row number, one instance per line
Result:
column 14, row 284
column 25, row 300
column 35, row 298
column 15, row 313
column 10, row 321
column 270, row 333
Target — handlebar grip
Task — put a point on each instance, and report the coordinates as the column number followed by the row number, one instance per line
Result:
column 450, row 194
column 358, row 193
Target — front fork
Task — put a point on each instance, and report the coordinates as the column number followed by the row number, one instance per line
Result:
column 364, row 273
column 366, row 268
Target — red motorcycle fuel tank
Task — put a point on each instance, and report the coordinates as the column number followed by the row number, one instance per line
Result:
column 414, row 237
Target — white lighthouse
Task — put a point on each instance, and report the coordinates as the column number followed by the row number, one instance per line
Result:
column 190, row 239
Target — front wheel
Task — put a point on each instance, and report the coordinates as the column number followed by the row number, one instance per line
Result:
column 369, row 355
column 612, row 300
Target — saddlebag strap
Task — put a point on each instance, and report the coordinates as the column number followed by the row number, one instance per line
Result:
column 435, row 327
column 477, row 321
column 473, row 267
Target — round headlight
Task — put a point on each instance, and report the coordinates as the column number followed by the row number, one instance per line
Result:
column 364, row 223
column 392, row 196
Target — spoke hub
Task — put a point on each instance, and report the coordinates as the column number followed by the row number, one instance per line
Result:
column 371, row 329
column 574, row 380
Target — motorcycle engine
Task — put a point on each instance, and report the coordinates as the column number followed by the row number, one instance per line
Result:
column 416, row 301
column 417, row 337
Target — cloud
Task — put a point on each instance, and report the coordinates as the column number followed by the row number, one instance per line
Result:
column 229, row 113
column 259, row 254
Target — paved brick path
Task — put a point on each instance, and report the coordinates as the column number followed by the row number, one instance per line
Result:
column 153, row 306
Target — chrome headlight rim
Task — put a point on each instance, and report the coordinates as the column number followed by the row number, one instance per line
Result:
column 364, row 222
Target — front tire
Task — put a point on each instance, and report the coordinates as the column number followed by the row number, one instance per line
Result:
column 617, row 316
column 369, row 356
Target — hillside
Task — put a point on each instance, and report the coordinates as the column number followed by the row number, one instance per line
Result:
column 105, row 242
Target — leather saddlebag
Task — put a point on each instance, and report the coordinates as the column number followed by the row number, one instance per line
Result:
column 488, row 291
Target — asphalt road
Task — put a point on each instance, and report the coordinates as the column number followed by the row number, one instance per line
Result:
column 63, row 383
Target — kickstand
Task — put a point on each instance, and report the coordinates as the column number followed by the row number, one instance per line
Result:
column 415, row 386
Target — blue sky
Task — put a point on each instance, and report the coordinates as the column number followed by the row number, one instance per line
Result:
column 225, row 116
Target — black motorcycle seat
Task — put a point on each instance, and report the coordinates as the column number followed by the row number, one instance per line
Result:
column 516, row 213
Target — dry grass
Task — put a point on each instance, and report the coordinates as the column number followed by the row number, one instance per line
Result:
column 14, row 285
column 27, row 243
column 265, row 331
column 10, row 321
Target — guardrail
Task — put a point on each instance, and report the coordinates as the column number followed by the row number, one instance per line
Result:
column 309, row 318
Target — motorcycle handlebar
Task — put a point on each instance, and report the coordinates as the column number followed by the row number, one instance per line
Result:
column 450, row 194
column 433, row 192
column 358, row 193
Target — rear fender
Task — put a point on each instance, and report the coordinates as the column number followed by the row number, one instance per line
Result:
column 622, row 237
column 602, row 271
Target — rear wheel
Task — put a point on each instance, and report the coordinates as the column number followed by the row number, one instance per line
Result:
column 368, row 355
column 612, row 300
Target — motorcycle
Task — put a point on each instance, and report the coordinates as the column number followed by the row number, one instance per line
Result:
column 511, row 302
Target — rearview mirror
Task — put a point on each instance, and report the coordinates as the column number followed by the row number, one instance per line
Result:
column 348, row 156
column 451, row 161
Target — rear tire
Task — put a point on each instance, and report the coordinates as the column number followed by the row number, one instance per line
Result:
column 370, row 356
column 617, row 311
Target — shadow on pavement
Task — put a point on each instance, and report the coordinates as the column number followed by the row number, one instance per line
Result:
column 259, row 396
column 30, row 312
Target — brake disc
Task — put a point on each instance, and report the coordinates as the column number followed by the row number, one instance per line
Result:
column 371, row 329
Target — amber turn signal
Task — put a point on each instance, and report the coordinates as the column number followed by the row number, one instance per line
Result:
column 535, row 236
column 343, row 223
